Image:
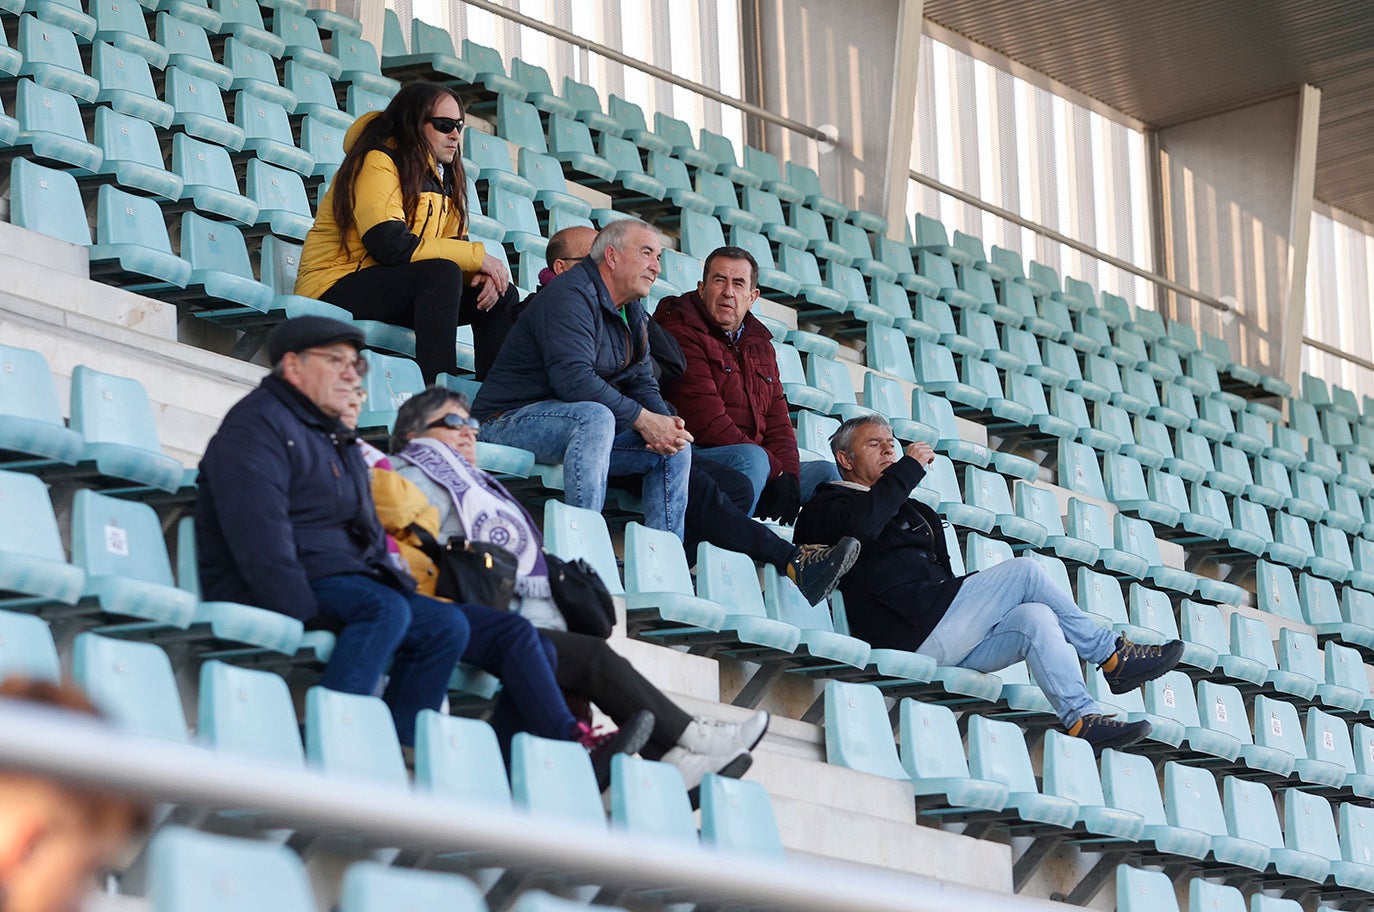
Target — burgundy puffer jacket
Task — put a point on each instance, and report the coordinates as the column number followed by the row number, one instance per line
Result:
column 729, row 393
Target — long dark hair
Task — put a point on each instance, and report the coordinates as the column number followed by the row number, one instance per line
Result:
column 401, row 127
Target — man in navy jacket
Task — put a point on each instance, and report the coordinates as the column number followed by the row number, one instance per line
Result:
column 573, row 383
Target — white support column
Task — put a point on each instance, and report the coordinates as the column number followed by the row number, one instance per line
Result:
column 1299, row 233
column 902, row 119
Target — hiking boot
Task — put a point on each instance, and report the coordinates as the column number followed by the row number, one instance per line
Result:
column 1135, row 663
column 816, row 569
column 630, row 738
column 693, row 766
column 706, row 735
column 1103, row 732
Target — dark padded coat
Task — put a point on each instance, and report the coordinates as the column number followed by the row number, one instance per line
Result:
column 284, row 499
column 902, row 583
column 570, row 343
column 729, row 394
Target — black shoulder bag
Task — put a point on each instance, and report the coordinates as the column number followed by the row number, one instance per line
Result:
column 470, row 571
column 581, row 596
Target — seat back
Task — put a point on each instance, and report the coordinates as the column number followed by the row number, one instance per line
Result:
column 276, row 189
column 368, row 886
column 1123, row 478
column 987, row 490
column 814, row 432
column 1101, row 595
column 729, row 578
column 858, row 734
column 1345, row 668
column 1250, row 812
column 1129, row 783
column 312, row 87
column 1318, row 599
column 1221, row 709
column 47, row 201
column 116, row 537
column 352, row 736
column 889, row 351
column 1210, row 897
column 296, row 30
column 1357, row 833
column 189, row 869
column 1070, row 770
column 1250, row 639
column 123, row 138
column 831, row 376
column 1192, row 801
column 654, row 561
column 1079, row 470
column 997, row 751
column 1151, row 609
column 1088, row 521
column 1277, row 726
column 429, row 39
column 1298, row 654
column 262, row 119
column 249, row 714
column 123, row 218
column 1203, row 626
column 200, row 163
column 214, row 245
column 132, row 683
column 648, row 798
column 460, row 759
column 1040, row 506
column 555, row 779
column 737, row 817
column 26, row 643
column 1328, row 739
column 121, row 71
column 1137, row 536
column 1275, row 591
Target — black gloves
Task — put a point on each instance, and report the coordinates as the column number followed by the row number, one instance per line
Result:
column 781, row 499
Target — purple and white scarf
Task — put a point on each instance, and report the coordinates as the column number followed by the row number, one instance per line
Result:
column 485, row 510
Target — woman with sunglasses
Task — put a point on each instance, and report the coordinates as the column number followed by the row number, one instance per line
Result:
column 389, row 239
column 434, row 447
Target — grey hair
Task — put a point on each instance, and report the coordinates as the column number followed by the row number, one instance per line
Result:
column 842, row 441
column 614, row 235
column 412, row 416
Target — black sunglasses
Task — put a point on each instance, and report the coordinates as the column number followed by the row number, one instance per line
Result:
column 454, row 422
column 445, row 124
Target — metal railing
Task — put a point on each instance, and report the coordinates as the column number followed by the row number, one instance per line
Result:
column 81, row 750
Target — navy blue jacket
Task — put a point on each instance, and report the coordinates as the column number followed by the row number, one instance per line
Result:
column 284, row 498
column 902, row 583
column 571, row 344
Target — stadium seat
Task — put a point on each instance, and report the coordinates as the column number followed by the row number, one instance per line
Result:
column 283, row 206
column 32, row 432
column 200, row 109
column 997, row 752
column 248, row 714
column 209, row 182
column 324, row 144
column 50, row 56
column 431, row 57
column 1171, row 697
column 358, row 57
column 1129, row 783
column 126, row 84
column 737, row 817
column 27, row 648
column 1250, row 810
column 132, row 249
column 648, row 799
column 115, row 418
column 1070, row 772
column 132, row 683
column 350, row 736
column 131, row 156
column 1192, row 802
column 301, row 38
column 554, row 779
column 241, row 20
column 188, row 49
column 33, row 567
column 194, row 870
column 220, row 268
column 459, row 759
column 49, row 124
column 268, row 133
column 933, row 757
column 314, row 94
column 368, row 886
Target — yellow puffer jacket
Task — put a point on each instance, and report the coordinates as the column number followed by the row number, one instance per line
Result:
column 400, row 503
column 380, row 234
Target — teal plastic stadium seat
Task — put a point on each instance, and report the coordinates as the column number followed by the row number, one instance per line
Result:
column 1171, row 696
column 242, row 629
column 358, row 57
column 554, row 779
column 242, row 21
column 188, row 49
column 659, row 586
column 1129, row 783
column 1250, row 810
column 220, row 268
column 301, row 38
column 200, row 109
column 858, row 734
column 587, row 103
column 27, row 648
column 132, row 683
column 493, row 158
column 31, row 422
column 575, row 532
column 935, row 373
column 368, row 886
column 489, row 71
column 889, row 352
column 324, row 145
column 248, row 714
column 1144, row 891
column 268, row 133
column 799, row 393
column 131, row 155
column 314, row 94
column 254, row 70
column 997, row 752
column 534, row 80
column 933, row 758
column 1070, row 772
column 939, row 414
column 1251, row 655
column 431, row 56
column 459, row 759
column 118, row 544
column 132, row 249
column 126, row 84
column 886, row 396
column 350, row 736
column 51, row 58
column 115, row 418
column 50, row 124
column 649, row 799
column 1192, row 802
column 570, row 142
column 48, row 202
column 730, row 579
column 209, row 182
column 737, row 817
column 832, row 652
column 281, row 199
column 989, row 491
column 358, row 102
column 195, row 870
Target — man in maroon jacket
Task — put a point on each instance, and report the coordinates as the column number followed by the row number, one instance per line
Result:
column 730, row 395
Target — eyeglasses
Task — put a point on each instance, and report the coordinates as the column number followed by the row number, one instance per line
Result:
column 340, row 362
column 454, row 422
column 445, row 124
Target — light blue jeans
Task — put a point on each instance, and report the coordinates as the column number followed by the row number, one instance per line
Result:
column 581, row 436
column 1014, row 612
column 751, row 461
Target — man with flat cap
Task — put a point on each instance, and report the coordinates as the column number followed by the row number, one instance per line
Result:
column 285, row 521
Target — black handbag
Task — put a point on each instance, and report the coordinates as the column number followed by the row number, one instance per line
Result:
column 581, row 596
column 471, row 571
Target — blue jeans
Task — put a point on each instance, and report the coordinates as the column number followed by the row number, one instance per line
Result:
column 420, row 638
column 749, row 459
column 1014, row 612
column 814, row 473
column 581, row 436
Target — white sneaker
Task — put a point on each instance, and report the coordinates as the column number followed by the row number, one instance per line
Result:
column 693, row 766
column 706, row 735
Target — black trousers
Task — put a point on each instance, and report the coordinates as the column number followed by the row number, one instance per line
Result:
column 430, row 297
column 718, row 500
column 589, row 667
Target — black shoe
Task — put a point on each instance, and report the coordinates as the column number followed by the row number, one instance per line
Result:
column 1103, row 732
column 816, row 569
column 1137, row 663
column 630, row 738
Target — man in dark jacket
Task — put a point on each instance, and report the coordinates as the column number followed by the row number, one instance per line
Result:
column 902, row 593
column 573, row 383
column 730, row 395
